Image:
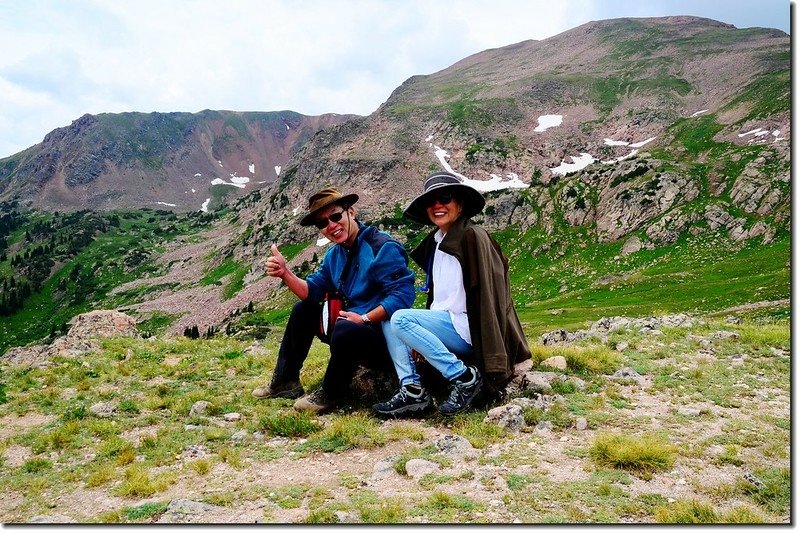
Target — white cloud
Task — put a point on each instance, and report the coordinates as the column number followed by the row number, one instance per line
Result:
column 63, row 59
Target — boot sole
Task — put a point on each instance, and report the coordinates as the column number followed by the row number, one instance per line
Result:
column 289, row 394
column 408, row 410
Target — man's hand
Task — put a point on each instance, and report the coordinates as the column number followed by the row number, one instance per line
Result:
column 351, row 316
column 276, row 264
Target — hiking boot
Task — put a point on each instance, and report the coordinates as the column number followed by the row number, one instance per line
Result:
column 279, row 389
column 462, row 394
column 404, row 403
column 317, row 402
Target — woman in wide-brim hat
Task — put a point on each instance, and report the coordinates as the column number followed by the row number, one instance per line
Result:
column 470, row 331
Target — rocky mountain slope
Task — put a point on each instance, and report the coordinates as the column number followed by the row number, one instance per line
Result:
column 616, row 147
column 539, row 110
column 178, row 161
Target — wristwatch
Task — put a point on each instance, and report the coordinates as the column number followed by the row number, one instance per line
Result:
column 365, row 318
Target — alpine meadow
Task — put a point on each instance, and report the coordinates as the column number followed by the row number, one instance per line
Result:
column 637, row 173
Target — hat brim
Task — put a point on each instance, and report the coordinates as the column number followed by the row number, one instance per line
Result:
column 473, row 202
column 309, row 219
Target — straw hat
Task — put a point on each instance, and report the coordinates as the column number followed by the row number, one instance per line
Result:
column 324, row 198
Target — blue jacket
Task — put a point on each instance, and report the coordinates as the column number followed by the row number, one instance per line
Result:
column 378, row 275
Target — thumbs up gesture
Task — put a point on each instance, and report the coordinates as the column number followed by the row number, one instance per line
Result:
column 276, row 263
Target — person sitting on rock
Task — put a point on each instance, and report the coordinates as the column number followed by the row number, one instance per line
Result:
column 369, row 269
column 470, row 332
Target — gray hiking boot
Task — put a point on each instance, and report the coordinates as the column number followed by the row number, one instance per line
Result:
column 462, row 394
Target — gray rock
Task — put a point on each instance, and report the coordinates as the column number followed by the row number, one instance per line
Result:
column 345, row 517
column 180, row 511
column 456, row 446
column 621, row 346
column 194, row 451
column 506, row 416
column 557, row 361
column 628, row 373
column 581, row 424
column 239, row 437
column 689, row 411
column 632, row 245
column 232, row 417
column 416, row 468
column 384, row 468
column 724, row 335
column 545, row 426
column 103, row 410
column 199, row 408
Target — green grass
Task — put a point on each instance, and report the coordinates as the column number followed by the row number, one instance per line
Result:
column 642, row 455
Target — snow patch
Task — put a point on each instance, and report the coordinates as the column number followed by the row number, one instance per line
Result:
column 198, row 175
column 612, row 142
column 751, row 132
column 696, row 113
column 578, row 163
column 193, row 190
column 294, row 211
column 548, row 121
column 218, row 181
column 622, row 158
column 642, row 143
column 428, row 138
column 252, row 168
column 220, row 162
column 165, row 203
column 277, row 170
column 204, row 207
column 239, row 179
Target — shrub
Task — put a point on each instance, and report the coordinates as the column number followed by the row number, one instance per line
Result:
column 290, row 424
column 686, row 512
column 640, row 455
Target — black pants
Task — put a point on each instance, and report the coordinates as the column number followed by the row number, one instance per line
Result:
column 352, row 345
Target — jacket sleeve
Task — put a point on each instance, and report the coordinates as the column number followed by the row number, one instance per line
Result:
column 391, row 274
column 321, row 281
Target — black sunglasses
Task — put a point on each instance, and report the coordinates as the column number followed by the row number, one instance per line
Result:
column 333, row 217
column 444, row 199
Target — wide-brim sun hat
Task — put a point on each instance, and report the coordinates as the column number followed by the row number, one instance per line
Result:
column 324, row 198
column 473, row 201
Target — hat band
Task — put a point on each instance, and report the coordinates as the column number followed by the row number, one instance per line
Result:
column 442, row 179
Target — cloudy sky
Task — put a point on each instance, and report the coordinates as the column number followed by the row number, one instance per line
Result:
column 63, row 58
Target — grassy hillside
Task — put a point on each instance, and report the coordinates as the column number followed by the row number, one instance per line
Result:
column 117, row 436
column 72, row 261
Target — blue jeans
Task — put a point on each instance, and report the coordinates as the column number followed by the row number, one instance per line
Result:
column 431, row 333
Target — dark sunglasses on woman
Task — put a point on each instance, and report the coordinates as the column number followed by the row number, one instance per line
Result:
column 333, row 217
column 444, row 199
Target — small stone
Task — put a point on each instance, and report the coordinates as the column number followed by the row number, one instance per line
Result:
column 689, row 411
column 681, row 481
column 544, row 426
column 103, row 410
column 199, row 408
column 232, row 417
column 557, row 362
column 621, row 346
column 239, row 436
column 416, row 468
column 581, row 424
column 564, row 439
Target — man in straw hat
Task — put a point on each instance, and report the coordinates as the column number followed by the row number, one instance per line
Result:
column 369, row 269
